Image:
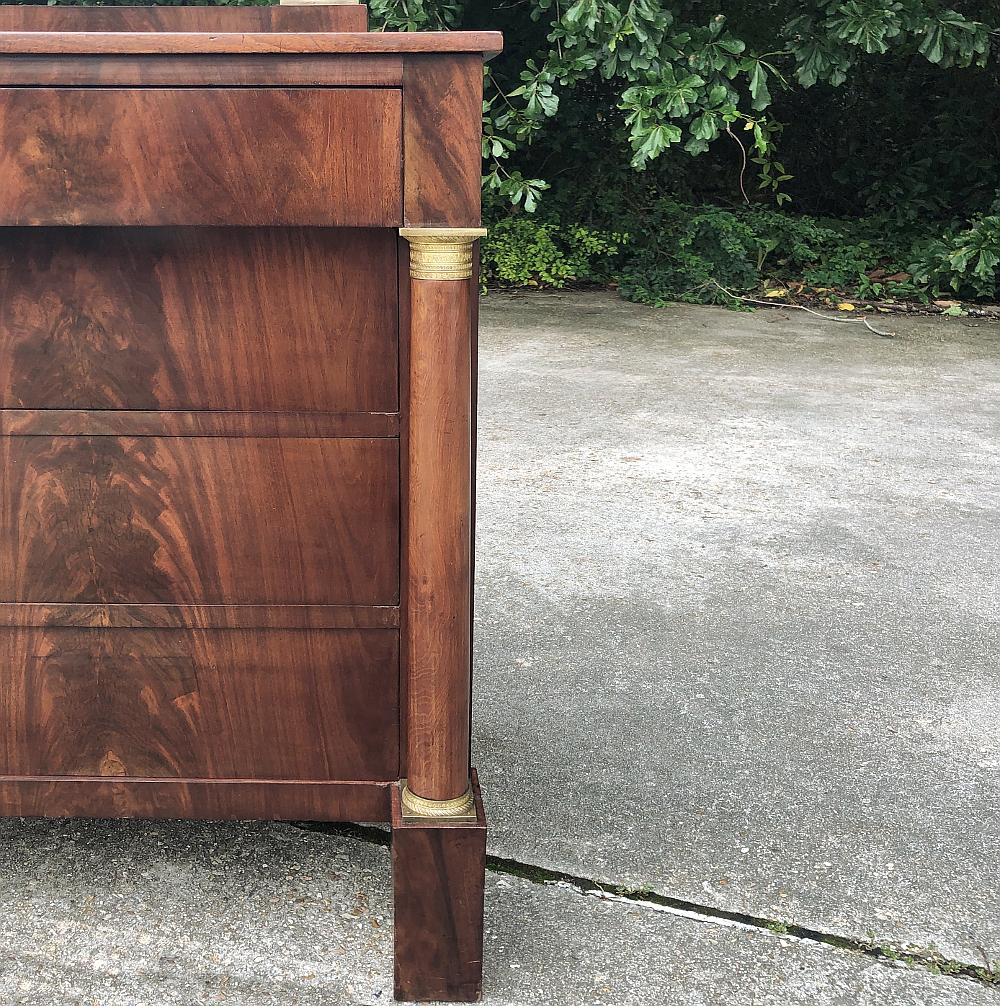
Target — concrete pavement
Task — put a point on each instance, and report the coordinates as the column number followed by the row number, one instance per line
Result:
column 739, row 614
column 176, row 913
column 737, row 651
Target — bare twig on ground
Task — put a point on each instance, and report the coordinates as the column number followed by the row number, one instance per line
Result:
column 808, row 310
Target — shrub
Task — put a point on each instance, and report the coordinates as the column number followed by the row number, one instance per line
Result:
column 707, row 254
column 693, row 255
column 964, row 262
column 527, row 251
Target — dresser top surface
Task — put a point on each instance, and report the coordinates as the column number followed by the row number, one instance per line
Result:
column 100, row 31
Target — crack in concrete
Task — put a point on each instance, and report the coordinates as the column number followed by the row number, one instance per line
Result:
column 927, row 960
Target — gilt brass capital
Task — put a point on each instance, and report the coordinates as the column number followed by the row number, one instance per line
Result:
column 441, row 253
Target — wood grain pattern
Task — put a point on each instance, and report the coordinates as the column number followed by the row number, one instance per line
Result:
column 378, row 70
column 404, row 497
column 128, row 423
column 483, row 43
column 352, row 17
column 273, row 319
column 198, row 521
column 200, row 616
column 442, row 128
column 231, row 156
column 439, row 538
column 232, row 704
column 195, row 799
column 474, row 437
column 438, row 878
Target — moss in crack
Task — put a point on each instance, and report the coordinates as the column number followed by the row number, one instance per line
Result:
column 930, row 959
column 991, row 973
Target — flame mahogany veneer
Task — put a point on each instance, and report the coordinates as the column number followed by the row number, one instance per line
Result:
column 236, row 437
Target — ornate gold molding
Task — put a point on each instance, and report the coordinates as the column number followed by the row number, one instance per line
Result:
column 441, row 253
column 418, row 806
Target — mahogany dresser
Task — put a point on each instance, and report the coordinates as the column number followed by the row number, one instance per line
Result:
column 237, row 392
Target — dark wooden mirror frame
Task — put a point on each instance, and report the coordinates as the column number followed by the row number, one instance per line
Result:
column 238, row 285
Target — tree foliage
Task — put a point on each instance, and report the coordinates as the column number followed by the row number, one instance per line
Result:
column 684, row 74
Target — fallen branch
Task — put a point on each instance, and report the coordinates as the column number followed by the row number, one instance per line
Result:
column 872, row 328
column 802, row 307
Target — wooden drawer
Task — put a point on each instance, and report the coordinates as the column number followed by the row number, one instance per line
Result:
column 159, row 520
column 237, row 704
column 191, row 318
column 314, row 156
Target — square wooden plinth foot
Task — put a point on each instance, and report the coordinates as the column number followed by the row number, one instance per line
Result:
column 438, row 876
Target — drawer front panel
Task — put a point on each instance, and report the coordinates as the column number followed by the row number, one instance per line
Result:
column 112, row 520
column 237, row 704
column 244, row 156
column 242, row 319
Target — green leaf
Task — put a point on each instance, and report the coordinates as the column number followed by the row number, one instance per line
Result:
column 758, row 86
column 932, row 45
column 705, row 127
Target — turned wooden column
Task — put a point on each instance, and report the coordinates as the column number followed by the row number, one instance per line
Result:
column 439, row 529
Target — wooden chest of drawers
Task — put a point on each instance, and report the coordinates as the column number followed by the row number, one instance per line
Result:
column 237, row 395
